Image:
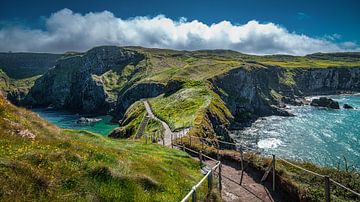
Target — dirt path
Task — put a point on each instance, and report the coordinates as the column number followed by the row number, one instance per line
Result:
column 249, row 191
column 167, row 133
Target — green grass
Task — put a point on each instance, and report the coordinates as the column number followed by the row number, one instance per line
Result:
column 132, row 119
column 180, row 108
column 154, row 127
column 311, row 61
column 311, row 188
column 308, row 187
column 288, row 78
column 8, row 84
column 81, row 166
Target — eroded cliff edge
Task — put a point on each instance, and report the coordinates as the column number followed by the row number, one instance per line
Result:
column 232, row 88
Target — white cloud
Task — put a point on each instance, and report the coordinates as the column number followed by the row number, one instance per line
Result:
column 66, row 30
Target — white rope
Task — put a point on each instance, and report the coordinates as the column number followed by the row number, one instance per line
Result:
column 340, row 185
column 301, row 168
column 296, row 166
column 204, row 178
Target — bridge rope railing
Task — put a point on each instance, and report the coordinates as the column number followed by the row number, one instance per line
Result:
column 241, row 148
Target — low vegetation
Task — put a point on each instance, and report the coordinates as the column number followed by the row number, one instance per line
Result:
column 40, row 162
column 308, row 187
column 8, row 84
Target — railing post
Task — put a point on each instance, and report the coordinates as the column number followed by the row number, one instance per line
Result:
column 274, row 172
column 194, row 196
column 146, row 139
column 183, row 147
column 327, row 188
column 220, row 179
column 200, row 157
column 242, row 166
column 210, row 181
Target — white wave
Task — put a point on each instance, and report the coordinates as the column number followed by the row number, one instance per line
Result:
column 269, row 143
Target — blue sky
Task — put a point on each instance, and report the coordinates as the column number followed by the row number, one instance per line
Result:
column 334, row 24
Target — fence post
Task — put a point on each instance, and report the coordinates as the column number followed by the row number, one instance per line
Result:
column 274, row 174
column 194, row 196
column 210, row 181
column 327, row 188
column 183, row 147
column 200, row 157
column 220, row 178
column 242, row 165
column 146, row 139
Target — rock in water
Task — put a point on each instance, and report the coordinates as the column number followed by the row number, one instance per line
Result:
column 325, row 102
column 84, row 120
column 346, row 106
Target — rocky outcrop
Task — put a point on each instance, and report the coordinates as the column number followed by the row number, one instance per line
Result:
column 84, row 120
column 73, row 83
column 347, row 106
column 135, row 93
column 325, row 102
column 250, row 93
column 247, row 93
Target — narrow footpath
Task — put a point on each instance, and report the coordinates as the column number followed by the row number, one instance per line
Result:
column 250, row 190
column 168, row 134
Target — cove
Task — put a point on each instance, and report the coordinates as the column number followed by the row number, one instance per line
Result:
column 322, row 136
column 67, row 120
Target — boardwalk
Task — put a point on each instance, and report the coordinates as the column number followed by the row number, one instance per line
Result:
column 249, row 191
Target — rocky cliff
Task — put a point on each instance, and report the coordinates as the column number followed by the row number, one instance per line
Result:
column 250, row 93
column 74, row 82
column 236, row 88
column 327, row 81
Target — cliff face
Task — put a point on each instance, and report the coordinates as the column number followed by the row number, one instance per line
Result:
column 262, row 91
column 73, row 83
column 327, row 81
column 240, row 87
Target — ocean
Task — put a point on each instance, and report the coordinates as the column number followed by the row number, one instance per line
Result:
column 327, row 137
column 67, row 120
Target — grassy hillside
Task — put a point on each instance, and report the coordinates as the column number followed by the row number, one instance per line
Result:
column 25, row 65
column 40, row 162
column 186, row 106
column 8, row 84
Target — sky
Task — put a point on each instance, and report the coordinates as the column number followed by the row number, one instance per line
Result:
column 296, row 27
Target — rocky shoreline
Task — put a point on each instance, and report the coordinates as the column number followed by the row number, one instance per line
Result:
column 83, row 84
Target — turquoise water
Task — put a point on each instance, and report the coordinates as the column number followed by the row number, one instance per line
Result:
column 322, row 136
column 68, row 120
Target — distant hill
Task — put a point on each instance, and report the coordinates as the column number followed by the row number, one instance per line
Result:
column 24, row 65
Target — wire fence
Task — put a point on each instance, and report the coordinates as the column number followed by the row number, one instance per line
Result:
column 242, row 149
